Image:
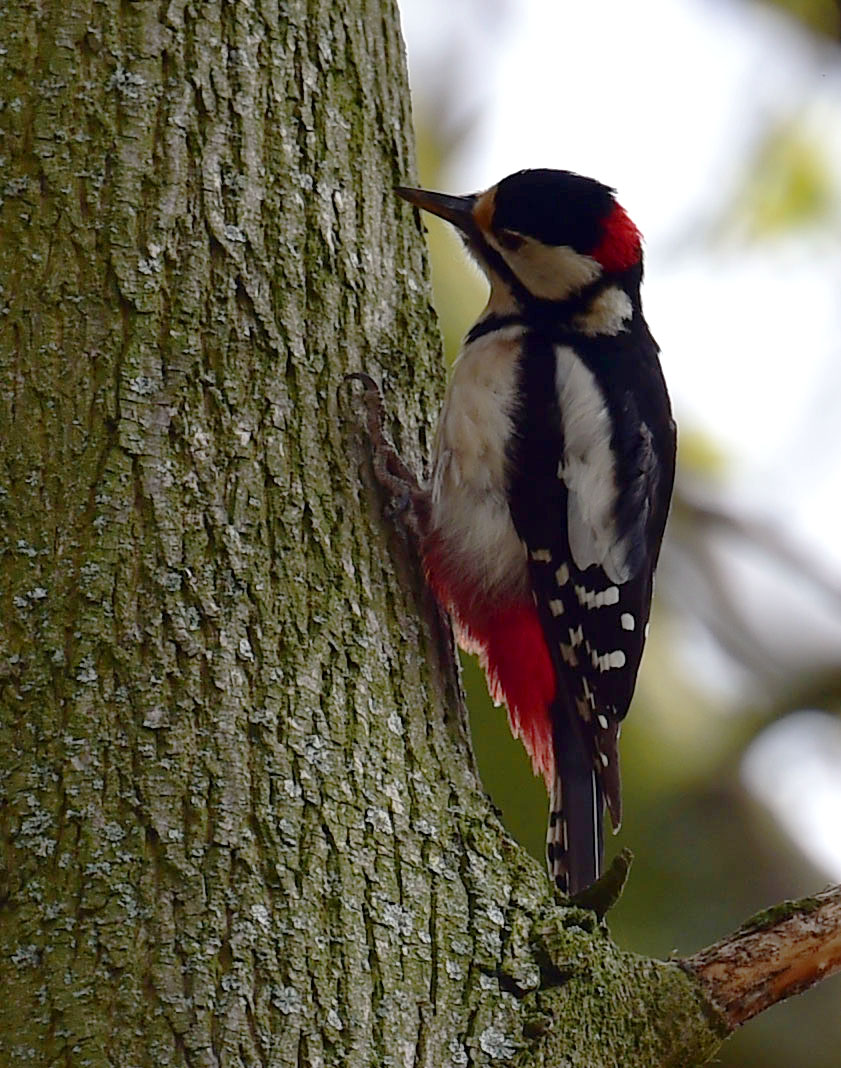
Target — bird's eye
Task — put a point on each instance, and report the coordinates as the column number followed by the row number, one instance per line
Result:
column 510, row 239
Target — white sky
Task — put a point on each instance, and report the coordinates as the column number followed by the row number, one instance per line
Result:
column 665, row 100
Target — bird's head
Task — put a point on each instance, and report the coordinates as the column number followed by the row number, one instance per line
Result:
column 543, row 234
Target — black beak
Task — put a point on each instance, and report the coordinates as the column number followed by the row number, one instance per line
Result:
column 456, row 210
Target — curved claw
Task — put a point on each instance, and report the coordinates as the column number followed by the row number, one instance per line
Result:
column 365, row 379
column 375, row 412
column 408, row 499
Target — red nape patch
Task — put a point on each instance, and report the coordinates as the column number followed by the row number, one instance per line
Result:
column 619, row 247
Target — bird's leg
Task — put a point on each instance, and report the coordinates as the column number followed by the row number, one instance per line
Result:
column 409, row 500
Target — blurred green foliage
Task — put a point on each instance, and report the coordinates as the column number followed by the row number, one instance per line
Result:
column 788, row 185
column 822, row 16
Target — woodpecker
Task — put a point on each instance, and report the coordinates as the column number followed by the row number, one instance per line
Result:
column 551, row 479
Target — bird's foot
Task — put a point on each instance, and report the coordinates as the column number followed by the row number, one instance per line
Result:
column 408, row 500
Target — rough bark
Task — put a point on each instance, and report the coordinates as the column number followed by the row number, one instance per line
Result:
column 240, row 819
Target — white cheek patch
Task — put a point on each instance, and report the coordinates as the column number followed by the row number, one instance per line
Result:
column 588, row 469
column 550, row 272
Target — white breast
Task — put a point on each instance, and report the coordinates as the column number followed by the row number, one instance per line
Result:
column 470, row 511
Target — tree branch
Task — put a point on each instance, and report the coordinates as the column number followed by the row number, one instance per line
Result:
column 765, row 536
column 778, row 953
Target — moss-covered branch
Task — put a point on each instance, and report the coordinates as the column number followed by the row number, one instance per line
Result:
column 776, row 954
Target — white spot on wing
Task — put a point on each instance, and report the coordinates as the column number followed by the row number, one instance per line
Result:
column 606, row 661
column 556, row 608
column 562, row 575
column 627, row 621
column 541, row 556
column 592, row 599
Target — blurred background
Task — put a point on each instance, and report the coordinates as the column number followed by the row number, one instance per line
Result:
column 719, row 122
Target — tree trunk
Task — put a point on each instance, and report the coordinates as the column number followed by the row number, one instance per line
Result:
column 240, row 818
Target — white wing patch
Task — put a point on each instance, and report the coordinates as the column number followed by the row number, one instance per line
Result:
column 588, row 469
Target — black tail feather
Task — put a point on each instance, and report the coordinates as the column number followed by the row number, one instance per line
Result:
column 574, row 840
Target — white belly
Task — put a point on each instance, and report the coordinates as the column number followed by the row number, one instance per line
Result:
column 470, row 511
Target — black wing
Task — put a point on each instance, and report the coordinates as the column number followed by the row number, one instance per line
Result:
column 589, row 499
